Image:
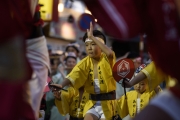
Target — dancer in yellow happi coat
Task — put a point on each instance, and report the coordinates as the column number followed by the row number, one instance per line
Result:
column 135, row 100
column 95, row 73
column 72, row 102
column 154, row 77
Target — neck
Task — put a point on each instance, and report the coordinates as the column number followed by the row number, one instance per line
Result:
column 139, row 95
column 95, row 60
column 68, row 71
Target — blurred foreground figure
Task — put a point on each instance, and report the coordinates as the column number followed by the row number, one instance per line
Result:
column 129, row 18
column 159, row 20
column 38, row 57
column 15, row 70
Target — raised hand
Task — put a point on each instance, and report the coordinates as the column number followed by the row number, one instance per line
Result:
column 90, row 31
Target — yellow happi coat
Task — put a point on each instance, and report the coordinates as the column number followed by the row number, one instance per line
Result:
column 69, row 103
column 129, row 105
column 82, row 75
column 155, row 76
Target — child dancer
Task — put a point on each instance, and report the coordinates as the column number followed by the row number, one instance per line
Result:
column 95, row 73
column 71, row 102
column 137, row 99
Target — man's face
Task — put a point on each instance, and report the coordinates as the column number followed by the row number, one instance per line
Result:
column 92, row 49
column 71, row 62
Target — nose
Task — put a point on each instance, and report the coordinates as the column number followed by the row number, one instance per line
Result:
column 138, row 86
column 89, row 47
column 71, row 63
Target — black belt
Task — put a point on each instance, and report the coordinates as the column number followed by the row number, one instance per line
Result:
column 75, row 118
column 103, row 96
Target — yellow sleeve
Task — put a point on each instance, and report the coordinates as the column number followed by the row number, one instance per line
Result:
column 154, row 76
column 111, row 61
column 122, row 107
column 170, row 82
column 63, row 105
column 152, row 94
column 114, row 60
column 79, row 74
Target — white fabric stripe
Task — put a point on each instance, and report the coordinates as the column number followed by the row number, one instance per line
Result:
column 138, row 104
column 96, row 86
column 115, row 16
column 37, row 50
column 89, row 40
column 97, row 90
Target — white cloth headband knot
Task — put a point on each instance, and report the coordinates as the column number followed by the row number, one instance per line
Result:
column 89, row 40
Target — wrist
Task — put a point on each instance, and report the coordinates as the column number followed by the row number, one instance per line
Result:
column 91, row 37
column 131, row 83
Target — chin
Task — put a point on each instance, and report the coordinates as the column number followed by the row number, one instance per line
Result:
column 142, row 92
column 91, row 56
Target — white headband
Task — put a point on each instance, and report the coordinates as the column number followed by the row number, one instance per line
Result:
column 89, row 40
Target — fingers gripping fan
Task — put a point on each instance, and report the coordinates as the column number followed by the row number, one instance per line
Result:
column 123, row 68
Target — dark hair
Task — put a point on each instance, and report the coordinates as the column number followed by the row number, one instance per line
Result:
column 96, row 33
column 70, row 57
column 132, row 55
column 73, row 47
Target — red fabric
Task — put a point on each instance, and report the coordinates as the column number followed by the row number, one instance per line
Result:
column 163, row 36
column 46, row 86
column 37, row 21
column 125, row 8
column 157, row 18
column 55, row 13
column 40, row 22
column 175, row 91
column 12, row 104
column 15, row 17
column 37, row 8
column 16, row 20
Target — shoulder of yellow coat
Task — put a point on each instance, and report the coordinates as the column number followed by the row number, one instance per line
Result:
column 114, row 55
column 106, row 58
column 83, row 64
column 83, row 61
